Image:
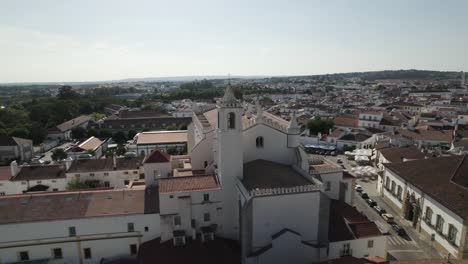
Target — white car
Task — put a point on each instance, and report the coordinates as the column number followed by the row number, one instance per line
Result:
column 358, row 188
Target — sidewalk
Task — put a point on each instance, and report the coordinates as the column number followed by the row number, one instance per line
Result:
column 425, row 245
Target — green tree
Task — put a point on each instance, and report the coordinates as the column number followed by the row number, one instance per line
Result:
column 119, row 137
column 76, row 185
column 78, row 133
column 59, row 154
column 92, row 132
column 120, row 150
column 318, row 124
column 131, row 134
column 172, row 151
column 97, row 116
column 66, row 92
column 105, row 133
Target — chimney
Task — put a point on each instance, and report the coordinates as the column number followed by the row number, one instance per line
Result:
column 68, row 163
column 114, row 160
column 14, row 168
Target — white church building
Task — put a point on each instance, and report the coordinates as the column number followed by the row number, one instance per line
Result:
column 246, row 178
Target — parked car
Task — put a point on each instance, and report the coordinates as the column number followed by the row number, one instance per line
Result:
column 398, row 229
column 333, row 153
column 388, row 217
column 379, row 210
column 358, row 188
column 371, row 202
column 364, row 195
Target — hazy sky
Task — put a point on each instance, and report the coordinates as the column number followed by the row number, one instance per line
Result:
column 87, row 40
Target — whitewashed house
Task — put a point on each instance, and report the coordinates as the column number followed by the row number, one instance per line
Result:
column 76, row 227
column 431, row 194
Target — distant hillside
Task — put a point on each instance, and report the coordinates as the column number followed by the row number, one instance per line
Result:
column 400, row 74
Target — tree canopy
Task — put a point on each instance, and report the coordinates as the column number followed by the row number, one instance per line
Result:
column 318, row 124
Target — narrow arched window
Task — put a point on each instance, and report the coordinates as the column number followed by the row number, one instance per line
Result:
column 231, row 120
column 259, row 142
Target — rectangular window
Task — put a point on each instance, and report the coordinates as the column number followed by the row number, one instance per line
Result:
column 157, row 174
column 126, row 182
column 106, row 184
column 130, row 227
column 393, row 187
column 135, row 172
column 327, row 186
column 452, row 233
column 71, row 231
column 91, row 174
column 2, row 193
column 106, row 174
column 133, row 249
column 206, row 217
column 399, row 191
column 54, row 181
column 146, row 229
column 370, row 243
column 428, row 216
column 125, row 172
column 206, row 197
column 87, row 253
column 439, row 224
column 23, row 183
column 177, row 220
column 55, row 189
column 23, row 256
column 57, row 253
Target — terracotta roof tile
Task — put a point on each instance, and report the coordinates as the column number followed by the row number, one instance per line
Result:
column 157, row 157
column 188, row 183
column 445, row 179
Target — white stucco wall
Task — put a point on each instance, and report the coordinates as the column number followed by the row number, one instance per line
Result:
column 269, row 216
column 359, row 247
column 94, row 232
column 449, row 218
column 151, row 170
column 275, row 145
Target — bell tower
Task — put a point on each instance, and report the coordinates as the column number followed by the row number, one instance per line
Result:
column 230, row 158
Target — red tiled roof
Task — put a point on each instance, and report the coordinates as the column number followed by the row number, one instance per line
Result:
column 158, row 157
column 346, row 223
column 188, row 183
column 345, row 121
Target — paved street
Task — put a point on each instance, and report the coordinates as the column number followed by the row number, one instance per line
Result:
column 410, row 247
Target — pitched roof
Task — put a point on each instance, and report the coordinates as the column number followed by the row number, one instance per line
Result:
column 433, row 135
column 70, row 205
column 13, row 141
column 107, row 164
column 268, row 174
column 397, row 154
column 65, row 126
column 188, row 183
column 157, row 157
column 91, row 143
column 161, row 137
column 345, row 121
column 346, row 223
column 445, row 179
column 32, row 173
